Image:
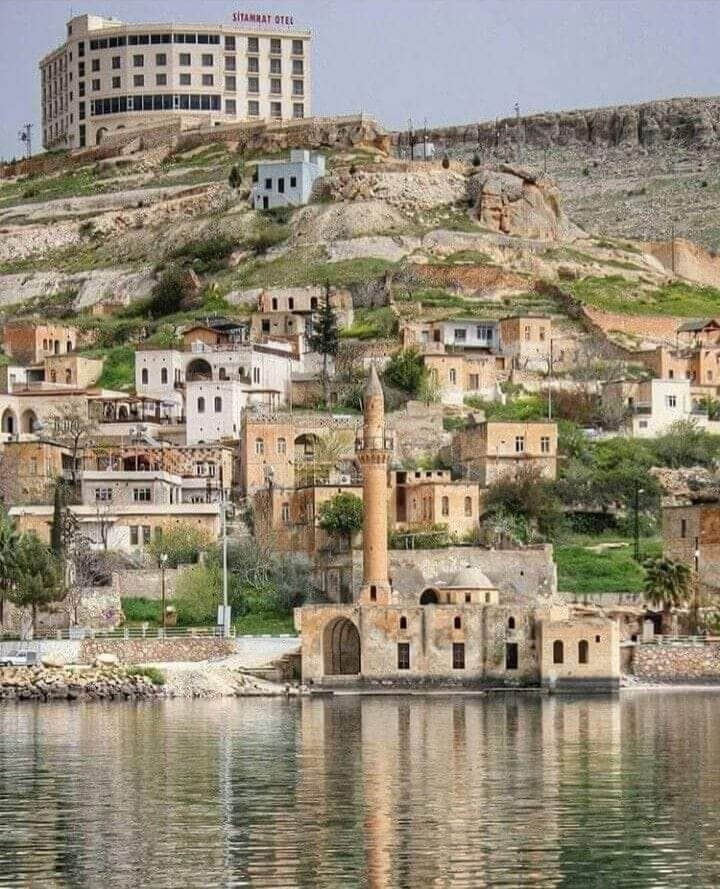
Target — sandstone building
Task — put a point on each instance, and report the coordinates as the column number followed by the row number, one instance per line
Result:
column 498, row 449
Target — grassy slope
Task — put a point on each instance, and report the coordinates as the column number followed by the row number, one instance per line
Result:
column 615, row 571
column 616, row 294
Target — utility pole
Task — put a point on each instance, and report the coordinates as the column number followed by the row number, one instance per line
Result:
column 411, row 137
column 550, row 372
column 425, row 141
column 672, row 242
column 519, row 150
column 163, row 563
column 25, row 136
column 638, row 492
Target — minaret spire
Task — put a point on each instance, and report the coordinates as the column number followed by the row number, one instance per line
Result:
column 373, row 450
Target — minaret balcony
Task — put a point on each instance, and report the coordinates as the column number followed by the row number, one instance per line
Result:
column 373, row 443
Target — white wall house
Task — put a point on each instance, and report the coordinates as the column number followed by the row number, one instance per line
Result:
column 653, row 406
column 470, row 333
column 287, row 183
column 123, row 487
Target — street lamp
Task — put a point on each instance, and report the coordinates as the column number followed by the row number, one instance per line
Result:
column 163, row 565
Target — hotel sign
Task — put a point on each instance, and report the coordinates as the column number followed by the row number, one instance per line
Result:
column 262, row 18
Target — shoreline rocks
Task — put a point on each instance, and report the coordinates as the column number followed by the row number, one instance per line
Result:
column 76, row 684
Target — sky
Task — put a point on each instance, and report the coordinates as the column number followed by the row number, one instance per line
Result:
column 447, row 61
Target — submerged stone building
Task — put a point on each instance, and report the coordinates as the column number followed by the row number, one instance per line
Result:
column 464, row 631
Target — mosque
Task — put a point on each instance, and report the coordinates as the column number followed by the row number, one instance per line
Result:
column 463, row 633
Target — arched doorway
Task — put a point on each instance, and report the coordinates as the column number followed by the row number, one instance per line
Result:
column 304, row 447
column 8, row 424
column 429, row 597
column 100, row 135
column 341, row 648
column 198, row 369
column 28, row 421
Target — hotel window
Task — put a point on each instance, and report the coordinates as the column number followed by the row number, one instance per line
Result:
column 298, row 88
column 230, row 106
column 116, row 62
column 160, row 58
column 81, row 69
column 81, row 88
column 102, row 495
column 138, row 61
column 259, row 447
column 230, row 84
column 253, row 65
column 285, row 513
column 116, row 83
column 281, row 446
column 274, row 45
column 276, row 66
column 298, row 110
column 218, row 404
column 298, row 67
column 184, row 80
column 230, row 43
column 253, row 109
column 185, row 58
column 519, row 444
column 297, row 47
column 545, row 444
column 207, row 59
column 95, row 85
column 138, row 80
column 468, row 506
column 253, row 85
column 458, row 655
column 275, row 86
column 142, row 495
column 207, row 80
column 276, row 110
column 229, row 63
column 201, row 405
column 403, row 656
column 81, row 48
column 161, row 80
column 96, row 64
column 253, row 44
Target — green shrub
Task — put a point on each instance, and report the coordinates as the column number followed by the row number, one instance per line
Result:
column 280, row 215
column 406, row 371
column 138, row 609
column 207, row 254
column 118, row 369
column 156, row 676
column 169, row 293
column 182, row 544
column 197, row 596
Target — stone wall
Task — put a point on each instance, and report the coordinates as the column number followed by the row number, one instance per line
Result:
column 152, row 650
column 678, row 663
column 147, row 582
column 647, row 327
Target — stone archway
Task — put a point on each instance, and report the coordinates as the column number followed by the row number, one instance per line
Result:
column 429, row 597
column 198, row 369
column 341, row 648
column 100, row 135
column 8, row 423
column 28, row 422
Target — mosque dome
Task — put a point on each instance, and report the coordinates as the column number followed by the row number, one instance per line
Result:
column 471, row 578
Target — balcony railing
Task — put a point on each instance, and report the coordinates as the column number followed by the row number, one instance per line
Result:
column 374, row 443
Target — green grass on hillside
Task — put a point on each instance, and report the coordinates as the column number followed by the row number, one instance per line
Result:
column 118, row 368
column 300, row 268
column 581, row 570
column 264, row 624
column 616, row 294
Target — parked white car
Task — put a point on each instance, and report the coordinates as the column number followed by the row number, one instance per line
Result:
column 19, row 657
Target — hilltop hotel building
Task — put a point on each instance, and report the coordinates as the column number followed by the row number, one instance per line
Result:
column 111, row 76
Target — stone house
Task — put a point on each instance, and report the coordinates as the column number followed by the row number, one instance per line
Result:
column 287, row 183
column 653, row 406
column 497, row 449
column 458, row 334
column 29, row 469
column 425, row 498
column 691, row 535
column 29, row 342
column 72, row 370
column 525, row 340
column 115, row 487
column 700, row 332
column 459, row 375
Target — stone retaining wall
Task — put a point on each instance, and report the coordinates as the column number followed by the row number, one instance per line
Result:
column 678, row 663
column 143, row 651
column 63, row 684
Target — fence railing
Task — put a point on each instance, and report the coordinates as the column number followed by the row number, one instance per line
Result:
column 80, row 633
column 682, row 640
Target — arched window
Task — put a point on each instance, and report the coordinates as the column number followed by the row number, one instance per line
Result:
column 583, row 651
column 457, row 623
column 164, row 375
column 285, row 513
column 281, row 446
column 45, row 345
column 68, row 375
column 468, row 506
column 403, row 623
column 445, row 506
column 201, row 405
column 453, row 375
column 222, row 374
column 259, row 447
column 218, row 404
column 53, row 376
column 511, row 623
column 558, row 653
column 144, row 376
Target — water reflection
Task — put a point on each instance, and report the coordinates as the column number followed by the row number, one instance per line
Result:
column 363, row 792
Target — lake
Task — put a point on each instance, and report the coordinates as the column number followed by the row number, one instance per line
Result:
column 399, row 791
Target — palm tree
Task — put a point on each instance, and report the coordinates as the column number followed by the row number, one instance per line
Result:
column 668, row 585
column 9, row 539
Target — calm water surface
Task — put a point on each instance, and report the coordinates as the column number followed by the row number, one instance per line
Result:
column 363, row 792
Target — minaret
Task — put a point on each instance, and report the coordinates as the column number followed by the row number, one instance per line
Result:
column 374, row 454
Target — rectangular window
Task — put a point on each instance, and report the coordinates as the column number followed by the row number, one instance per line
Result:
column 146, row 531
column 297, row 47
column 161, row 80
column 81, row 69
column 671, row 400
column 253, row 65
column 276, row 110
column 142, row 495
column 134, row 536
column 281, row 185
column 207, row 59
column 253, row 44
column 683, row 527
column 253, row 85
column 298, row 110
column 458, row 655
column 230, row 84
column 229, row 63
column 207, row 80
column 545, row 444
column 185, row 58
column 184, row 80
column 460, row 335
column 138, row 61
column 116, row 83
column 81, row 88
column 403, row 656
column 527, row 331
column 268, row 185
column 138, row 80
column 276, row 66
column 275, row 86
column 81, row 48
column 160, row 59
column 229, row 43
column 253, row 109
column 293, row 182
column 298, row 67
column 511, row 655
column 285, row 513
column 96, row 85
column 275, row 45
column 103, row 495
column 519, row 444
column 95, row 64
column 116, row 62
column 230, row 106
column 298, row 88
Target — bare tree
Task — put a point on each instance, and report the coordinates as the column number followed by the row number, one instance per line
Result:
column 76, row 431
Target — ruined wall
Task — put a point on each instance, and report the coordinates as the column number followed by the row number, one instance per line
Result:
column 143, row 651
column 678, row 663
